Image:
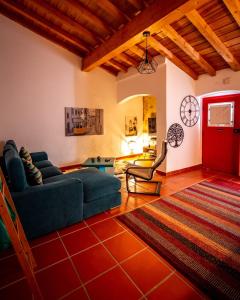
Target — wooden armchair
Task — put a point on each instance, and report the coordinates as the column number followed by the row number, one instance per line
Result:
column 145, row 173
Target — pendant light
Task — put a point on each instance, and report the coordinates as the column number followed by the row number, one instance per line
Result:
column 148, row 65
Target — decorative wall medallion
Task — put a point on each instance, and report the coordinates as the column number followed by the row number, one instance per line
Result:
column 175, row 135
column 189, row 111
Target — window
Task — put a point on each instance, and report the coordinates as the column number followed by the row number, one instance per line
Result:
column 221, row 114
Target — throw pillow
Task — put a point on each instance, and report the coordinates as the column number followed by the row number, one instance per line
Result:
column 25, row 154
column 33, row 174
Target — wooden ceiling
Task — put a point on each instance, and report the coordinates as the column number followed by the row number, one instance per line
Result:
column 199, row 36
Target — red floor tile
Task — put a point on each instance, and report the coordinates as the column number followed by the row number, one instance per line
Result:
column 16, row 291
column 57, row 280
column 146, row 270
column 79, row 240
column 107, row 228
column 49, row 253
column 97, row 218
column 79, row 294
column 113, row 285
column 72, row 228
column 93, row 262
column 123, row 245
column 174, row 288
column 10, row 270
column 44, row 239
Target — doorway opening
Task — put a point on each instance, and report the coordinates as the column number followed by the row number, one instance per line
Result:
column 140, row 125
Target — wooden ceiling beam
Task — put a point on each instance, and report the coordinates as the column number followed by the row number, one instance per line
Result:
column 128, row 59
column 109, row 6
column 136, row 50
column 174, row 59
column 110, row 70
column 93, row 18
column 66, row 20
column 234, row 8
column 213, row 39
column 152, row 18
column 38, row 30
column 188, row 49
column 32, row 16
column 117, row 65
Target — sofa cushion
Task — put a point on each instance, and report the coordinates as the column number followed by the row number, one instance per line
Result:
column 34, row 175
column 15, row 171
column 25, row 154
column 96, row 184
column 50, row 172
column 42, row 164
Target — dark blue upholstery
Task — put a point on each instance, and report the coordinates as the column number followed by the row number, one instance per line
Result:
column 44, row 208
column 15, row 170
column 50, row 171
column 96, row 184
column 39, row 156
column 62, row 199
column 42, row 164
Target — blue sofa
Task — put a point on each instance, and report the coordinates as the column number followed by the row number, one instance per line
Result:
column 62, row 199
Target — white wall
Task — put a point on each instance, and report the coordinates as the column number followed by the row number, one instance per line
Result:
column 189, row 153
column 37, row 80
column 224, row 80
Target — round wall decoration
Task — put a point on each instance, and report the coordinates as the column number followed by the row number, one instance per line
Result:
column 189, row 111
column 175, row 135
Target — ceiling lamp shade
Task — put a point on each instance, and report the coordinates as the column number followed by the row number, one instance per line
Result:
column 148, row 65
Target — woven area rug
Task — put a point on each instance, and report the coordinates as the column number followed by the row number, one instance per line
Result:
column 197, row 230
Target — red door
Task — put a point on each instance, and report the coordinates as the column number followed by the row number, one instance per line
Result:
column 221, row 133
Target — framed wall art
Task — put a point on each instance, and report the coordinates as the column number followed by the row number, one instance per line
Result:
column 83, row 121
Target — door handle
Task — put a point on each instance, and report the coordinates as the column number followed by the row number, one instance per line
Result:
column 236, row 130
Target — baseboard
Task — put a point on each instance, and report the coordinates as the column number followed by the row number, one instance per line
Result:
column 179, row 171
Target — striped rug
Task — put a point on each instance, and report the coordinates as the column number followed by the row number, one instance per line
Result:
column 197, row 230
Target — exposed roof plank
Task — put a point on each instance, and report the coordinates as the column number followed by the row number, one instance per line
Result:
column 128, row 59
column 234, row 8
column 188, row 49
column 110, row 70
column 213, row 39
column 38, row 29
column 98, row 22
column 114, row 10
column 117, row 65
column 165, row 52
column 150, row 18
column 136, row 50
column 48, row 8
column 30, row 15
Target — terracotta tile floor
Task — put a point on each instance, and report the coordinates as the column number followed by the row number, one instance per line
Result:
column 101, row 259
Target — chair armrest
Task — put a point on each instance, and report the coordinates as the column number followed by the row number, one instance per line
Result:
column 38, row 156
column 144, row 159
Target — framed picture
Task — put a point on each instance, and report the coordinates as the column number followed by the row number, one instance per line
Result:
column 83, row 121
column 130, row 126
column 152, row 125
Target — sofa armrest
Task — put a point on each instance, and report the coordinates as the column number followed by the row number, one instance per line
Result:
column 48, row 207
column 38, row 156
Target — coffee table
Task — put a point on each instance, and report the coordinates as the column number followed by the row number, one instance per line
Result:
column 104, row 164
